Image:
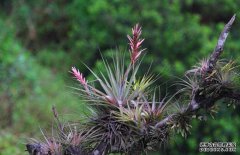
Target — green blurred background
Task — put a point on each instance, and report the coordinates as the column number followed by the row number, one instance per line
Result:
column 41, row 39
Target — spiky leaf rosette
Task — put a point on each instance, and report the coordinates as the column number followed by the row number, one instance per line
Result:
column 125, row 110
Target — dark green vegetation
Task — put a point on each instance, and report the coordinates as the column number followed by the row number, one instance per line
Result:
column 41, row 40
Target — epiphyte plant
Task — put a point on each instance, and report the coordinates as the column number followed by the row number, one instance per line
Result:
column 128, row 117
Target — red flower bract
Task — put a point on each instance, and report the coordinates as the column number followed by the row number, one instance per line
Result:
column 135, row 43
column 79, row 76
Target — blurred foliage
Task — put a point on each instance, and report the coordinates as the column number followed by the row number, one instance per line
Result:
column 41, row 40
column 7, row 141
column 27, row 92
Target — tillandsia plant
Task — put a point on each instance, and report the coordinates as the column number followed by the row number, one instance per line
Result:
column 129, row 117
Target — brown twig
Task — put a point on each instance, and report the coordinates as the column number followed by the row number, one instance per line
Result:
column 220, row 44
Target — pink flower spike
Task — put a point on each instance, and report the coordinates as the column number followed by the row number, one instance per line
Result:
column 79, row 77
column 135, row 43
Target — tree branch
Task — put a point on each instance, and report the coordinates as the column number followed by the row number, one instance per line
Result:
column 220, row 44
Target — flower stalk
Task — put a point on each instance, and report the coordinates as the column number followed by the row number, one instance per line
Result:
column 79, row 76
column 135, row 43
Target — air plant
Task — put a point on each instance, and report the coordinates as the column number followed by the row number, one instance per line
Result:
column 128, row 117
column 200, row 68
column 226, row 73
column 45, row 147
